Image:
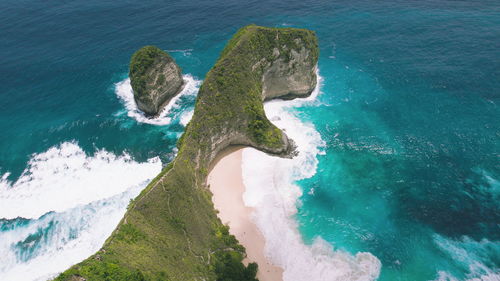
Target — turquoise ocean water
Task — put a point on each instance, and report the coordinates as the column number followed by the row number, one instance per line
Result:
column 408, row 164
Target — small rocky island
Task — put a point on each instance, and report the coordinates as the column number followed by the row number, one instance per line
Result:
column 171, row 230
column 155, row 79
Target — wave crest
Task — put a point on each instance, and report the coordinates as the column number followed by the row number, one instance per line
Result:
column 123, row 90
column 74, row 202
column 64, row 177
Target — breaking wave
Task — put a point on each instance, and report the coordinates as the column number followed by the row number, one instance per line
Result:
column 274, row 195
column 63, row 207
column 172, row 111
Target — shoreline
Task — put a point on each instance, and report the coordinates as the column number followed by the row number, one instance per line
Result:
column 226, row 184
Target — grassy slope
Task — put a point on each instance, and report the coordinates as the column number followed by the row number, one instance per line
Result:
column 171, row 230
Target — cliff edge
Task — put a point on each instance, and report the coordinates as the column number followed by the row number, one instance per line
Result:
column 155, row 79
column 171, row 230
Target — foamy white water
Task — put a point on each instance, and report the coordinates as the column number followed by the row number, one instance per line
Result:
column 60, row 239
column 123, row 90
column 64, row 177
column 467, row 252
column 274, row 196
column 186, row 117
column 82, row 198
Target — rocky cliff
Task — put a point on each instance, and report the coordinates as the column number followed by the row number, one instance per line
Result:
column 290, row 76
column 257, row 64
column 155, row 79
column 171, row 230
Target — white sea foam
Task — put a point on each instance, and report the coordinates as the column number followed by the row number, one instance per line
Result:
column 185, row 52
column 64, row 177
column 274, row 196
column 123, row 90
column 445, row 276
column 186, row 117
column 471, row 255
column 69, row 238
column 89, row 195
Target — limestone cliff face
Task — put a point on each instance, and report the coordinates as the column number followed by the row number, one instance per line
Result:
column 292, row 76
column 171, row 230
column 258, row 64
column 155, row 79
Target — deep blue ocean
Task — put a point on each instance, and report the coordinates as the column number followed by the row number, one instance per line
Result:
column 408, row 113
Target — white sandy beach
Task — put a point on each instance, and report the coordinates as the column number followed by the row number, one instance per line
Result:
column 226, row 183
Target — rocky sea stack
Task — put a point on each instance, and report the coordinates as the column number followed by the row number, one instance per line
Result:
column 171, row 230
column 155, row 79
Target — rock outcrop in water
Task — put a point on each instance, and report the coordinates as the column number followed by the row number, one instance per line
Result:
column 155, row 79
column 171, row 230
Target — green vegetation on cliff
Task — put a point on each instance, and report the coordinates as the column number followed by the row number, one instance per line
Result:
column 155, row 79
column 140, row 63
column 171, row 230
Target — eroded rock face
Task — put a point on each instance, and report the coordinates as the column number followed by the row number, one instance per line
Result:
column 155, row 79
column 257, row 64
column 292, row 77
